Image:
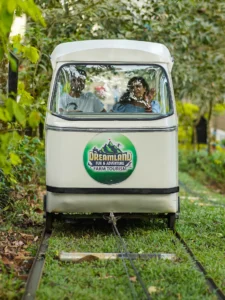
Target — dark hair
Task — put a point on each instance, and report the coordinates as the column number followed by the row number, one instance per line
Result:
column 141, row 79
column 82, row 72
column 126, row 96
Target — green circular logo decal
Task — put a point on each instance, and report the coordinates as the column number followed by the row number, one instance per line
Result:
column 110, row 158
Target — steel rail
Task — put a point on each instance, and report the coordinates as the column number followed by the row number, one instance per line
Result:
column 210, row 282
column 112, row 220
column 36, row 270
column 132, row 288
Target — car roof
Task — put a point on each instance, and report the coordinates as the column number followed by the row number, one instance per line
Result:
column 112, row 51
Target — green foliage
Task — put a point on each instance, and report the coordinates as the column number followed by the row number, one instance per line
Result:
column 34, row 119
column 7, row 10
column 16, row 115
column 71, row 21
column 29, row 160
column 219, row 109
column 7, row 140
column 210, row 168
column 191, row 30
column 4, row 189
column 25, row 163
column 187, row 115
column 28, row 52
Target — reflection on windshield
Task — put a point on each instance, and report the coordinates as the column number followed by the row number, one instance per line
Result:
column 111, row 89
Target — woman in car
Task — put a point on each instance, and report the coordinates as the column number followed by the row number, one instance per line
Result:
column 136, row 99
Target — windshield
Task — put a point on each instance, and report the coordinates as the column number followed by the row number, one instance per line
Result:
column 109, row 90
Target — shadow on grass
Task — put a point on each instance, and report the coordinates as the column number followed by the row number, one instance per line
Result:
column 102, row 226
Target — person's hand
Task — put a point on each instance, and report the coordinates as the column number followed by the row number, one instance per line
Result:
column 73, row 111
column 149, row 109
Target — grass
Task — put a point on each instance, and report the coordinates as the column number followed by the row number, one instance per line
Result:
column 201, row 224
column 203, row 227
column 195, row 188
column 107, row 279
column 19, row 225
column 9, row 284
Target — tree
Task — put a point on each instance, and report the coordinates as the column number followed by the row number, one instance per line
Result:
column 192, row 31
column 8, row 9
column 187, row 113
column 71, row 21
column 10, row 109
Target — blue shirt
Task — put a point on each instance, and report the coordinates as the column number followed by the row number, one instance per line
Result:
column 127, row 107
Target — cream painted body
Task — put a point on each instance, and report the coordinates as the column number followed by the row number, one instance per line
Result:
column 155, row 141
column 156, row 158
column 156, row 167
column 98, row 203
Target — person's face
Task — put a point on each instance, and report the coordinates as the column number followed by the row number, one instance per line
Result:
column 77, row 84
column 138, row 89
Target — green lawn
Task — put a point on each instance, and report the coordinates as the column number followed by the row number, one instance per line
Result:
column 201, row 224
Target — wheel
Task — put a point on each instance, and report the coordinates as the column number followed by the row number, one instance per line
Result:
column 171, row 217
column 49, row 222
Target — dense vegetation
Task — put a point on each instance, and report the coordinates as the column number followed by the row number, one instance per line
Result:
column 192, row 30
column 209, row 169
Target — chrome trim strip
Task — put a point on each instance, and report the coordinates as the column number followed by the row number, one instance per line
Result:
column 104, row 117
column 99, row 129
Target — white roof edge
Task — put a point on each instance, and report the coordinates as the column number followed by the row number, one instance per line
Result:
column 109, row 50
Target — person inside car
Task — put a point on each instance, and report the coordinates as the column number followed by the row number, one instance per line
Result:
column 136, row 98
column 78, row 101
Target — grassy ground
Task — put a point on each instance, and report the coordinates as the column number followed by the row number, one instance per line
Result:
column 21, row 223
column 108, row 279
column 201, row 224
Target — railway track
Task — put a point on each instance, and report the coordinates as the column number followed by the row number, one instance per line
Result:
column 127, row 257
column 37, row 268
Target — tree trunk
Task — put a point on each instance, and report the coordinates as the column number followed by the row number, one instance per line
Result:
column 195, row 138
column 208, row 127
column 66, row 8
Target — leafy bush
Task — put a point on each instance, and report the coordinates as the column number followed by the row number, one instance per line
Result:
column 26, row 156
column 4, row 189
column 32, row 163
column 209, row 168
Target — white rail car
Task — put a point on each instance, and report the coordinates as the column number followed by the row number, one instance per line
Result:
column 111, row 130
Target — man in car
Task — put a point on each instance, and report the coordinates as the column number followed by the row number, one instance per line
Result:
column 78, row 101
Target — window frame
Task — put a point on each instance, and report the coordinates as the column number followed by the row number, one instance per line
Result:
column 102, row 116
